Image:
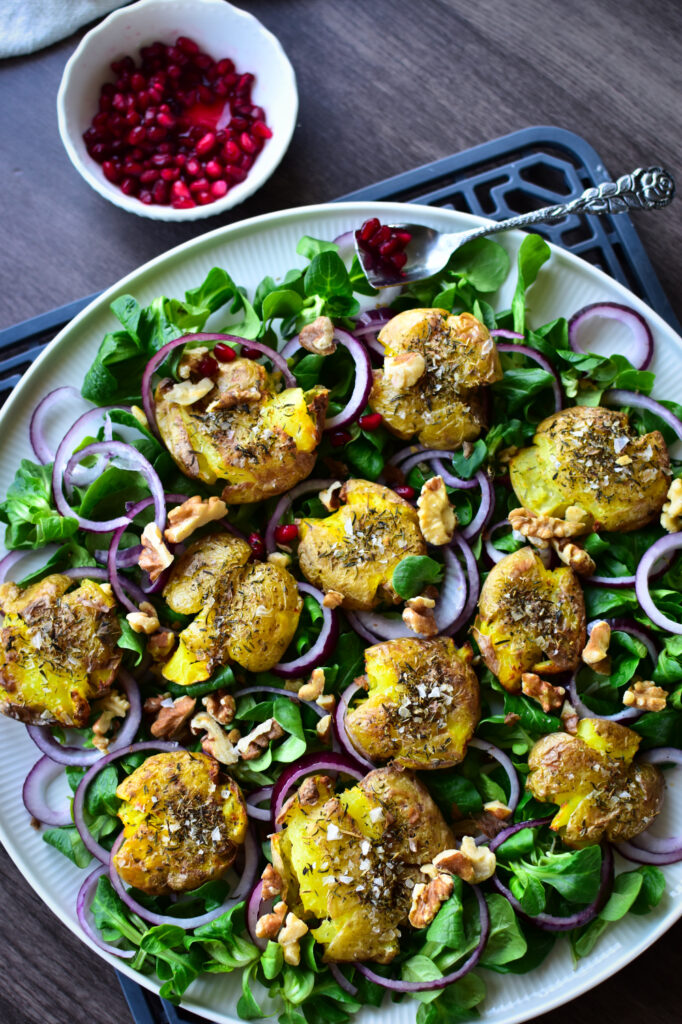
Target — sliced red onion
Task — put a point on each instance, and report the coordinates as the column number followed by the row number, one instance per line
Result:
column 619, row 582
column 409, row 460
column 396, row 985
column 257, row 797
column 246, row 881
column 308, row 765
column 491, row 551
column 618, row 396
column 256, row 907
column 500, row 332
column 537, row 357
column 281, row 692
column 641, row 856
column 8, row 562
column 642, row 349
column 626, row 715
column 666, row 849
column 412, row 449
column 322, row 647
column 130, row 556
column 291, row 348
column 453, row 481
column 190, row 339
column 550, row 922
column 39, row 443
column 86, row 572
column 83, row 901
column 633, row 629
column 499, row 755
column 43, row 772
column 82, row 757
column 373, row 318
column 661, row 547
column 340, row 725
column 375, row 347
column 285, row 503
column 485, row 509
column 361, row 387
column 474, row 583
column 361, row 629
column 341, row 980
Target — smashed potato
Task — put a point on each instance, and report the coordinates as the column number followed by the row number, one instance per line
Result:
column 443, row 406
column 351, row 861
column 245, row 613
column 244, row 431
column 530, row 619
column 183, row 822
column 58, row 650
column 423, row 704
column 601, row 791
column 592, row 458
column 355, row 551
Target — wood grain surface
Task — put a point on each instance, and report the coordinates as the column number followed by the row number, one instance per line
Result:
column 385, row 85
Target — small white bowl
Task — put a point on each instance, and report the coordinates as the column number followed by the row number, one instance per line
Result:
column 221, row 30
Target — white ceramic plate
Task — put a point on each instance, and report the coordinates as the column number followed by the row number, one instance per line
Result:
column 249, row 250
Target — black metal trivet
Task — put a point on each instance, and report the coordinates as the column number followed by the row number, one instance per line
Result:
column 523, row 171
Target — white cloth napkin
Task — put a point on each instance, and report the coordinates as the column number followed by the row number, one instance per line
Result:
column 28, row 25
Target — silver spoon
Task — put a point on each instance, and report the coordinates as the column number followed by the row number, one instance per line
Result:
column 647, row 188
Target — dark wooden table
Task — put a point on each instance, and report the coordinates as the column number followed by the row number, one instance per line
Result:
column 385, row 85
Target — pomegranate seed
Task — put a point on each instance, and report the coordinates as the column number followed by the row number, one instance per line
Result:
column 368, row 229
column 205, row 94
column 204, row 198
column 170, row 173
column 132, row 168
column 261, row 130
column 286, row 533
column 381, row 236
column 245, row 82
column 99, row 152
column 225, row 353
column 388, row 248
column 403, row 238
column 399, row 259
column 183, row 204
column 257, row 545
column 236, row 173
column 180, row 191
column 193, row 167
column 186, row 44
column 225, row 67
column 174, row 72
column 136, row 136
column 160, row 192
column 246, row 162
column 214, row 169
column 372, row 421
column 155, row 133
column 119, row 101
column 149, row 176
column 138, row 81
column 146, row 197
column 204, row 62
column 161, row 159
column 238, row 124
column 220, row 89
column 200, row 185
column 247, row 143
column 219, row 189
column 129, row 187
column 132, row 118
column 165, row 120
column 403, row 491
column 250, row 353
column 205, row 144
column 339, row 437
column 231, row 151
column 207, row 367
column 111, row 172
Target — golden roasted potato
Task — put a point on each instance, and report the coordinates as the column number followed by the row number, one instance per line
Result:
column 423, row 704
column 57, row 650
column 444, row 406
column 592, row 458
column 355, row 550
column 530, row 619
column 243, row 431
column 183, row 822
column 249, row 616
column 351, row 861
column 602, row 792
column 193, row 575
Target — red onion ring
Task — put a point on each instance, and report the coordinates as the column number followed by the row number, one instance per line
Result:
column 8, row 562
column 485, row 509
column 627, row 714
column 83, row 901
column 474, row 583
column 340, row 727
column 82, row 757
column 499, row 755
column 665, row 850
column 618, row 396
column 500, row 332
column 257, row 797
column 341, row 980
column 642, row 338
column 544, row 363
column 256, row 907
column 491, row 551
column 642, row 856
column 39, row 444
column 661, row 547
column 409, row 461
column 550, row 922
column 361, row 629
column 33, row 793
column 323, row 645
column 246, row 881
column 285, row 503
column 373, row 319
column 307, row 765
column 361, row 387
column 396, row 985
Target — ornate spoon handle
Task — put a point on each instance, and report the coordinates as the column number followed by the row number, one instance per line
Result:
column 647, row 188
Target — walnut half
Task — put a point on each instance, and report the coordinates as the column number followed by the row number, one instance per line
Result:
column 427, row 899
column 437, row 519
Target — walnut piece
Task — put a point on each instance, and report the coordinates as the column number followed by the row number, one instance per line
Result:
column 330, row 498
column 497, row 809
column 646, row 695
column 268, row 926
column 404, row 370
column 161, row 644
column 427, row 899
column 220, row 705
column 471, row 863
column 155, row 556
column 216, row 742
column 314, row 687
column 272, row 883
column 596, row 652
column 114, row 705
column 294, row 929
column 324, row 729
column 573, row 555
column 671, row 514
column 318, row 337
column 541, row 529
column 187, row 393
column 195, row 512
column 569, row 718
column 173, row 717
column 418, row 615
column 144, row 621
column 327, row 701
column 437, row 519
column 332, row 599
column 547, row 696
column 254, row 743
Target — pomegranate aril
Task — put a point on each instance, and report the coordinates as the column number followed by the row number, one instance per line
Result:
column 183, row 204
column 205, row 144
column 170, row 173
column 399, row 259
column 250, row 353
column 205, row 94
column 204, row 198
column 193, row 167
column 165, row 120
column 119, row 101
column 402, row 237
column 186, row 45
column 204, row 62
column 99, row 152
column 149, row 176
column 246, row 162
column 129, row 186
column 388, row 248
column 146, row 197
column 207, row 366
column 111, row 172
column 247, row 143
column 372, row 421
column 234, row 172
column 225, row 66
column 231, row 151
column 380, row 236
column 219, row 189
column 368, row 229
column 224, row 352
column 338, row 438
column 155, row 133
column 136, row 136
column 131, row 167
column 286, row 533
column 403, row 491
column 261, row 130
column 257, row 545
column 257, row 113
column 200, row 185
column 214, row 169
column 180, row 191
